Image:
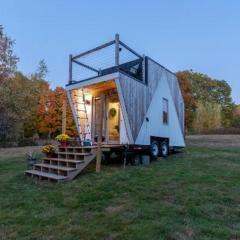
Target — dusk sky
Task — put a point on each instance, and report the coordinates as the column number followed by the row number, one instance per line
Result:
column 200, row 35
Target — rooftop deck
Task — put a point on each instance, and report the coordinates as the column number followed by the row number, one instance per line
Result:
column 108, row 58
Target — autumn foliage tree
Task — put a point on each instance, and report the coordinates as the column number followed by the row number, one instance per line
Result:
column 190, row 102
column 47, row 119
column 200, row 91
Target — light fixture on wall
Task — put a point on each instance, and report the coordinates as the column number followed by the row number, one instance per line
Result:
column 87, row 102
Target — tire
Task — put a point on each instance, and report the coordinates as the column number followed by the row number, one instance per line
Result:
column 154, row 150
column 164, row 149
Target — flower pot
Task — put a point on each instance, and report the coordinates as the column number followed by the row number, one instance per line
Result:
column 49, row 155
column 63, row 144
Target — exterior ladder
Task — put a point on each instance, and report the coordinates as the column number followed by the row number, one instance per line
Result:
column 82, row 118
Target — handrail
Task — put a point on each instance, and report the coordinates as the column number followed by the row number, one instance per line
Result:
column 94, row 49
column 116, row 62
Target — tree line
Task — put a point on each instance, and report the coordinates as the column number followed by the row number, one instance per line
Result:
column 208, row 102
column 29, row 107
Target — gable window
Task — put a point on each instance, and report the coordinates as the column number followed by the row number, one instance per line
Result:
column 165, row 111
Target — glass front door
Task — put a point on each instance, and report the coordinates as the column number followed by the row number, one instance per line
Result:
column 113, row 118
column 96, row 116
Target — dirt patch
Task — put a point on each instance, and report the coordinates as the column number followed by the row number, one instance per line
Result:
column 213, row 140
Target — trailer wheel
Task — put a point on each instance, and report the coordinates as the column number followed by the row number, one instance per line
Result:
column 154, row 150
column 164, row 149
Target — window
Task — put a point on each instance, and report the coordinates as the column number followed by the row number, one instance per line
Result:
column 165, row 111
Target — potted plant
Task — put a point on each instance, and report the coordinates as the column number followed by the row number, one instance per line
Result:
column 48, row 150
column 63, row 139
column 31, row 159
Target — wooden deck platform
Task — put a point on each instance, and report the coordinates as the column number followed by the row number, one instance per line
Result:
column 67, row 162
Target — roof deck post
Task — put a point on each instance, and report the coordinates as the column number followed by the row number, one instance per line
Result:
column 144, row 70
column 70, row 69
column 117, row 50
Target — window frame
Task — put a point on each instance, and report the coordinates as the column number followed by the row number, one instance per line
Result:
column 165, row 114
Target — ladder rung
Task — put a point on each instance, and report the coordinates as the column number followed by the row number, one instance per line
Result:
column 79, row 102
column 82, row 101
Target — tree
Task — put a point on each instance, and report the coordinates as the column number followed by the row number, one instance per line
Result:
column 236, row 116
column 41, row 120
column 189, row 101
column 60, row 96
column 28, row 105
column 8, row 61
column 208, row 90
column 18, row 100
column 42, row 70
column 47, row 118
column 208, row 116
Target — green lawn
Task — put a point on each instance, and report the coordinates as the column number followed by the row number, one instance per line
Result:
column 191, row 195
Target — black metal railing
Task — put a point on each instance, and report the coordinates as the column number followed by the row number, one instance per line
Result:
column 105, row 59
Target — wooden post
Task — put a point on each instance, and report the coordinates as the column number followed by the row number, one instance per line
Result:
column 64, row 116
column 143, row 70
column 70, row 69
column 99, row 140
column 117, row 50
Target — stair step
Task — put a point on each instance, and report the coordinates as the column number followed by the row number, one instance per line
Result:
column 64, row 160
column 47, row 175
column 79, row 147
column 55, row 167
column 73, row 153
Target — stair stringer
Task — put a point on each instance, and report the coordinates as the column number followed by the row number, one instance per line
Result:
column 81, row 166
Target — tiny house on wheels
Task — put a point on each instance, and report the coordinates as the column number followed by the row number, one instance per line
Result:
column 121, row 102
column 133, row 99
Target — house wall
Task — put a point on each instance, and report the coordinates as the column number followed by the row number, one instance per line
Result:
column 155, row 73
column 138, row 96
column 73, row 95
column 155, row 126
column 135, row 100
column 123, row 131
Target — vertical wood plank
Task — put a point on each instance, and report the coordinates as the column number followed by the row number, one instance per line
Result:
column 64, row 116
column 117, row 50
column 70, row 69
column 99, row 142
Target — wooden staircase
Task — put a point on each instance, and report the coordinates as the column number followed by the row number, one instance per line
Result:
column 65, row 164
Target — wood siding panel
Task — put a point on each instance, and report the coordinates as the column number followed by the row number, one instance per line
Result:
column 138, row 96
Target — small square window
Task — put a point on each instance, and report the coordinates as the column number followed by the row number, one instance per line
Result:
column 165, row 111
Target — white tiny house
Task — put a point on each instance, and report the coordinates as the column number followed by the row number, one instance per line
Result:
column 122, row 102
column 139, row 100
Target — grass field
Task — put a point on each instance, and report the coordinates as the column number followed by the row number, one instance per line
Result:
column 190, row 195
